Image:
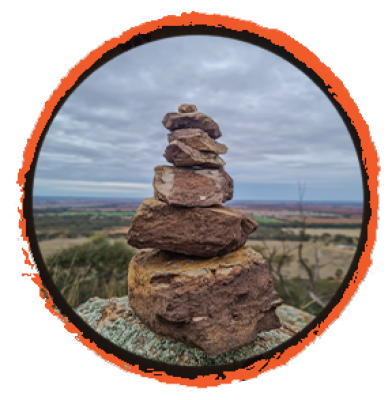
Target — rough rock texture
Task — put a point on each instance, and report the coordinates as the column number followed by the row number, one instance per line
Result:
column 173, row 121
column 182, row 155
column 187, row 108
column 115, row 320
column 216, row 305
column 197, row 139
column 192, row 187
column 202, row 232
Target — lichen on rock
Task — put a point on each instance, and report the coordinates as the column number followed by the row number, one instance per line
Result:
column 128, row 332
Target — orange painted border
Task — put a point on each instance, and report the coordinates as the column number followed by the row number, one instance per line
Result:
column 369, row 159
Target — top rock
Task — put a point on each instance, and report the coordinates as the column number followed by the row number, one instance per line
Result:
column 187, row 108
column 194, row 120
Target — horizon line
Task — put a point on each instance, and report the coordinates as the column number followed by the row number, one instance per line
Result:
column 236, row 200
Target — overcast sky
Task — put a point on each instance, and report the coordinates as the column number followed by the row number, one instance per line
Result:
column 278, row 126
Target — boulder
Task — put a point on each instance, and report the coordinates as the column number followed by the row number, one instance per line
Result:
column 197, row 139
column 115, row 320
column 182, row 155
column 202, row 232
column 173, row 121
column 216, row 305
column 192, row 187
column 187, row 108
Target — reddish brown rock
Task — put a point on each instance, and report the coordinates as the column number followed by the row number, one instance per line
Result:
column 173, row 121
column 192, row 187
column 197, row 139
column 216, row 305
column 187, row 108
column 202, row 232
column 182, row 155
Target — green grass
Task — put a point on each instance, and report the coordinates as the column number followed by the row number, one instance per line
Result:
column 324, row 289
column 262, row 220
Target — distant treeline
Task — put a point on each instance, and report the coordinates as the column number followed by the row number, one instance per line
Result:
column 267, row 233
column 48, row 226
column 298, row 224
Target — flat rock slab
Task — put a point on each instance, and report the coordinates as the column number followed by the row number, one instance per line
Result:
column 216, row 305
column 173, row 121
column 115, row 320
column 182, row 155
column 202, row 232
column 192, row 187
column 197, row 139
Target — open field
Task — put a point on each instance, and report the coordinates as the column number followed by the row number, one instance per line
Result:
column 332, row 231
column 49, row 247
column 103, row 213
column 331, row 255
column 334, row 221
column 262, row 220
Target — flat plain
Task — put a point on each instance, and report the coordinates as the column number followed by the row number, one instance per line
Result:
column 332, row 231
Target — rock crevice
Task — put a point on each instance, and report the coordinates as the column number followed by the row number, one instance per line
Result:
column 196, row 298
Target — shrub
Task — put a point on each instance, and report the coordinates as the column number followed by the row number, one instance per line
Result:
column 95, row 268
column 339, row 273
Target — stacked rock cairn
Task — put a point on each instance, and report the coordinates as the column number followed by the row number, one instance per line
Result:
column 196, row 282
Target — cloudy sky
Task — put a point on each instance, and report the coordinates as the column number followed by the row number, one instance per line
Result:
column 278, row 126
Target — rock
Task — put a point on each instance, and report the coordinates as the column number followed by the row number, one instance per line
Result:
column 197, row 139
column 216, row 305
column 187, row 108
column 173, row 121
column 129, row 333
column 202, row 232
column 182, row 155
column 192, row 187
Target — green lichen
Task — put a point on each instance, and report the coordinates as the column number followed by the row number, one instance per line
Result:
column 133, row 336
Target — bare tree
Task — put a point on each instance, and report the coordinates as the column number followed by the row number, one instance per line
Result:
column 276, row 261
column 312, row 275
column 317, row 266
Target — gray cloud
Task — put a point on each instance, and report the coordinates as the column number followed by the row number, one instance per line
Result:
column 278, row 125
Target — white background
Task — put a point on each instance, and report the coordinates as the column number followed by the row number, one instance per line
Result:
column 40, row 42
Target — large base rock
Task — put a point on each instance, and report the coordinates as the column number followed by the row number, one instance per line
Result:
column 202, row 232
column 216, row 305
column 192, row 187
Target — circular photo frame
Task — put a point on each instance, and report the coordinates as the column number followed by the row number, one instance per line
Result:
column 299, row 56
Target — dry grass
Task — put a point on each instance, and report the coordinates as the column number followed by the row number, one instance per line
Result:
column 71, row 289
column 335, row 257
column 49, row 247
